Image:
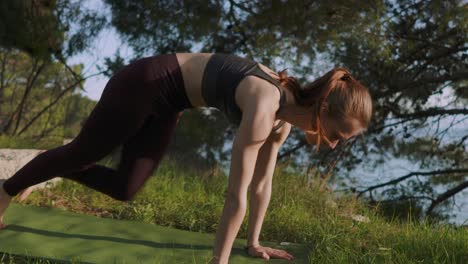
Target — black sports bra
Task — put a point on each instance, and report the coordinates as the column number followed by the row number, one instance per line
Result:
column 222, row 75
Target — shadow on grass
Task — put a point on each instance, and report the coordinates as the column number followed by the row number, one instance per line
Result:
column 24, row 229
column 32, row 259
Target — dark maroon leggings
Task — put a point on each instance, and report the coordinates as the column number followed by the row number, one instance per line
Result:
column 138, row 109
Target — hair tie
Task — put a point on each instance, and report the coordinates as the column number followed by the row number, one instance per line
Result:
column 346, row 77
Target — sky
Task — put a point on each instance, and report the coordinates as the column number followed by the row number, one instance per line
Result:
column 105, row 45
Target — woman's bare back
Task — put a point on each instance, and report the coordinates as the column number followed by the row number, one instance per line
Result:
column 193, row 66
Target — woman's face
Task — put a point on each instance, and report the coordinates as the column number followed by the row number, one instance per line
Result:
column 334, row 130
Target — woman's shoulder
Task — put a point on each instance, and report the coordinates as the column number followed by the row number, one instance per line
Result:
column 268, row 70
column 253, row 92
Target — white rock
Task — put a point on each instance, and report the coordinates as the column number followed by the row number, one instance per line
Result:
column 11, row 160
column 330, row 203
column 384, row 249
column 360, row 218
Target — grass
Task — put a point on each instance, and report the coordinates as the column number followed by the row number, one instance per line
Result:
column 299, row 211
column 17, row 259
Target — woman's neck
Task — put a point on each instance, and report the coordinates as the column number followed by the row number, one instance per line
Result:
column 293, row 113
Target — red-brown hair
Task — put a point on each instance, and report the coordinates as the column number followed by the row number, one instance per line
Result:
column 337, row 92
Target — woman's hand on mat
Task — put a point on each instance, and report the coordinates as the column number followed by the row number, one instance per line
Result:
column 268, row 252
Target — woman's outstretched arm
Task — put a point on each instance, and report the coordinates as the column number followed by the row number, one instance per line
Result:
column 257, row 121
column 260, row 193
column 260, row 188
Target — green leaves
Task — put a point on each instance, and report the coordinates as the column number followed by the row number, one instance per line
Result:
column 46, row 28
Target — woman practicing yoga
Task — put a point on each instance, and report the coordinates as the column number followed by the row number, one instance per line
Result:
column 142, row 103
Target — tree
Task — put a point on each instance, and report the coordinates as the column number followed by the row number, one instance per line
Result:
column 36, row 38
column 406, row 52
column 416, row 51
column 39, row 99
column 48, row 27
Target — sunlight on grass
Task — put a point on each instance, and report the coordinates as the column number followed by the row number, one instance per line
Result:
column 299, row 212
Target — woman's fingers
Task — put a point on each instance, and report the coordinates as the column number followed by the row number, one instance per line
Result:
column 258, row 252
column 278, row 253
column 267, row 253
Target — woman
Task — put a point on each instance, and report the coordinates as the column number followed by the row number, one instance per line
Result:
column 142, row 103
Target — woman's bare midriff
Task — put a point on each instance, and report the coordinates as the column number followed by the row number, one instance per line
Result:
column 192, row 66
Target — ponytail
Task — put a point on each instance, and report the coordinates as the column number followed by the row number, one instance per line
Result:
column 336, row 91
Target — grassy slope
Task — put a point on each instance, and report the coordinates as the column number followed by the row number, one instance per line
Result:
column 298, row 212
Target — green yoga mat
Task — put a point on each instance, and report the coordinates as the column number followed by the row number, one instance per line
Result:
column 57, row 235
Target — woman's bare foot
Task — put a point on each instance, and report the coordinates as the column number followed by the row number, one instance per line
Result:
column 25, row 193
column 5, row 200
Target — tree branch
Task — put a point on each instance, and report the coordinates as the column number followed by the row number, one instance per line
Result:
column 245, row 38
column 434, row 111
column 16, row 115
column 416, row 83
column 243, row 8
column 294, row 149
column 409, row 175
column 26, row 94
column 70, row 87
column 447, row 195
column 407, row 197
column 2, row 72
column 63, row 61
